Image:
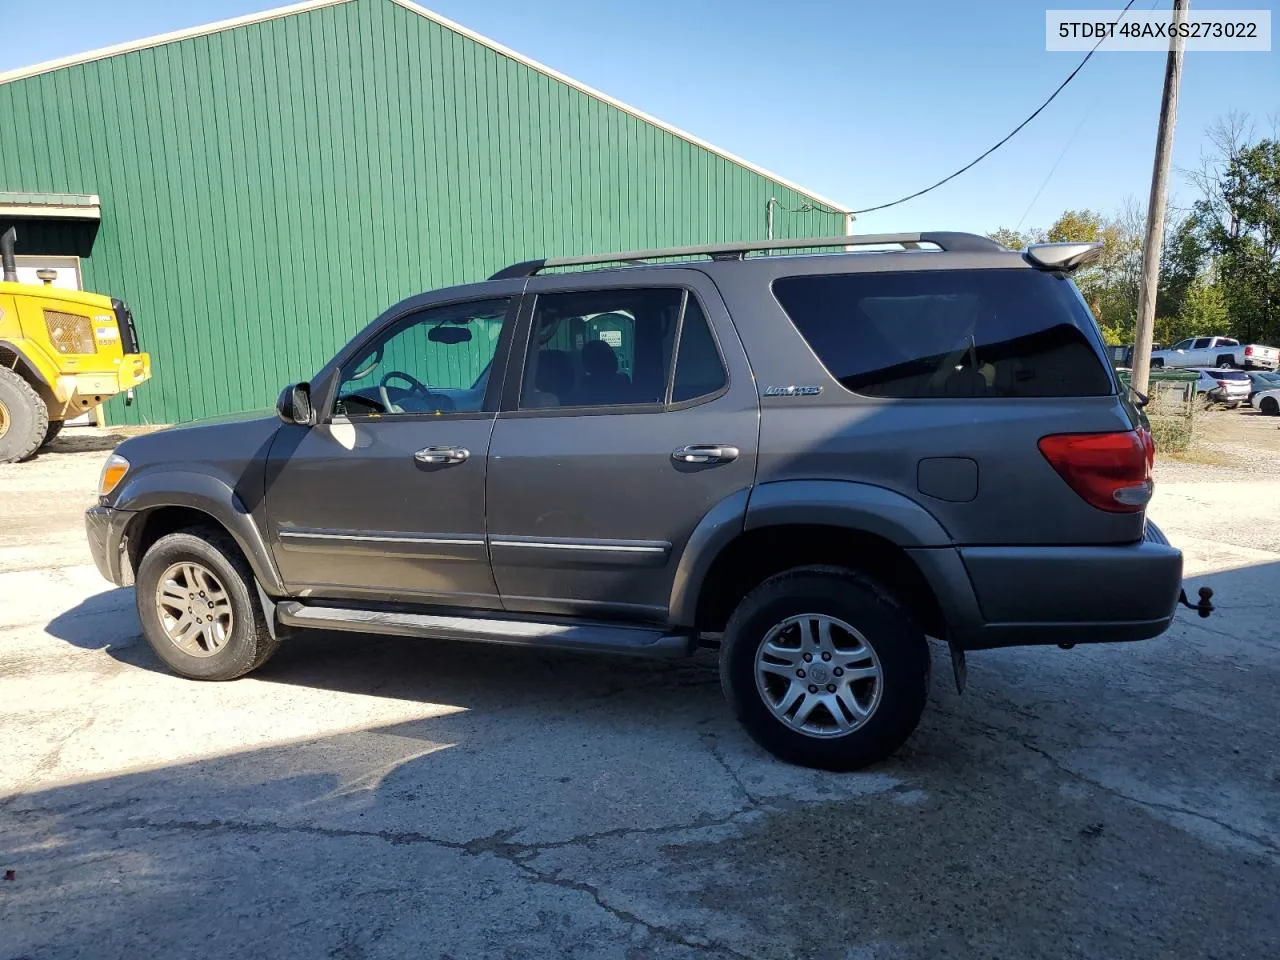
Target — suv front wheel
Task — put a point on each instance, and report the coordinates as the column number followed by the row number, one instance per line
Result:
column 198, row 612
column 825, row 669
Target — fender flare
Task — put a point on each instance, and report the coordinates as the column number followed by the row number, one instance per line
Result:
column 33, row 369
column 210, row 495
column 846, row 503
column 856, row 506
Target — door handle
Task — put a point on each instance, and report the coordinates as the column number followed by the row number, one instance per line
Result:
column 442, row 455
column 705, row 453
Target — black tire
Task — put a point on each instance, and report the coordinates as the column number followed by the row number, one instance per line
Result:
column 897, row 641
column 1157, row 364
column 54, row 428
column 249, row 643
column 1226, row 363
column 1269, row 406
column 23, row 420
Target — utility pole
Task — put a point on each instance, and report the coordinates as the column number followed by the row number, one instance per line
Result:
column 1145, row 329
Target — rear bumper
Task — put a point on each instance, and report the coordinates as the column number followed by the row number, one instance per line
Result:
column 1221, row 396
column 1016, row 596
column 104, row 528
column 78, row 392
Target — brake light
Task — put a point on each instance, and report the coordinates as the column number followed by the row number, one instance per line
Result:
column 1149, row 445
column 1110, row 471
column 1248, row 351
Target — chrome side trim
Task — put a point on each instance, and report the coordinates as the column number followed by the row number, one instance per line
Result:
column 360, row 538
column 597, row 547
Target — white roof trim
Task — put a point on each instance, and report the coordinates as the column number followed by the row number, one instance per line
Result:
column 44, row 211
column 21, row 73
column 50, row 206
column 24, row 72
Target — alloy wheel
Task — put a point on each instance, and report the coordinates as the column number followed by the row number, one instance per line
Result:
column 818, row 675
column 194, row 609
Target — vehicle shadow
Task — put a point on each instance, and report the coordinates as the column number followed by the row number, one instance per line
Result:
column 96, row 442
column 438, row 671
column 550, row 794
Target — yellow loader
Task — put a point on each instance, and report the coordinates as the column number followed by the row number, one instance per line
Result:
column 62, row 353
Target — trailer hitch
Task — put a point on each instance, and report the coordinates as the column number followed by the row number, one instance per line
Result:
column 1204, row 607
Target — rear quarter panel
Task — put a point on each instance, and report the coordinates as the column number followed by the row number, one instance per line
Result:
column 839, row 435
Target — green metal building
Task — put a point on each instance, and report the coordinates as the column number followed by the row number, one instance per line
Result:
column 259, row 189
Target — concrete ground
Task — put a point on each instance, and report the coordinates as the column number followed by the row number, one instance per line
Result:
column 369, row 798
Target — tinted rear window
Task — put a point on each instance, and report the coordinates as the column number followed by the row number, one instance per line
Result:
column 1229, row 375
column 948, row 333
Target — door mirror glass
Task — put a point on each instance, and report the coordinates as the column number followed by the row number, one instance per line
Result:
column 294, row 405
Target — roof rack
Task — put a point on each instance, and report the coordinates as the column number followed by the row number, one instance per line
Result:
column 944, row 240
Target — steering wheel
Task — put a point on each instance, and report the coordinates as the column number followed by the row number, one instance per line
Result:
column 416, row 387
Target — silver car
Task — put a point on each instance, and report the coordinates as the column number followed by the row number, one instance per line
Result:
column 1228, row 387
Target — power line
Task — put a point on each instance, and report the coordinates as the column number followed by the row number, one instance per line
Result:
column 973, row 163
column 1067, row 146
column 1054, row 169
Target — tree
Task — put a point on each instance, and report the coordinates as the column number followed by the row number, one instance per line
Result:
column 1239, row 217
column 1110, row 286
column 1078, row 225
column 1202, row 312
column 1012, row 239
column 1186, row 253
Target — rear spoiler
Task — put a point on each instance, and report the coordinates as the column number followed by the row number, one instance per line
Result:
column 1064, row 257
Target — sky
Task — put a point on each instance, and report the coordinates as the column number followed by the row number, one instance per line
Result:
column 861, row 102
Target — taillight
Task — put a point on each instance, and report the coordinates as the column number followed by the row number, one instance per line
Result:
column 1248, row 351
column 1111, row 471
column 1149, row 445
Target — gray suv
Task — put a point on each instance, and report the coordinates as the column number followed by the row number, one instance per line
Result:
column 811, row 461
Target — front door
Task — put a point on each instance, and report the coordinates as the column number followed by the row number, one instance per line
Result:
column 385, row 498
column 634, row 415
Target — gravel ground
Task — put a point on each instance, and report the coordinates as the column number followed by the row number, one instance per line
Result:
column 1239, row 443
column 376, row 797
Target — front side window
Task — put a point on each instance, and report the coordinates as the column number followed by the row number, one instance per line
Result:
column 948, row 333
column 432, row 362
column 607, row 348
column 1182, row 345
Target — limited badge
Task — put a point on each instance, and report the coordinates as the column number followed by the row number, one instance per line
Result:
column 792, row 391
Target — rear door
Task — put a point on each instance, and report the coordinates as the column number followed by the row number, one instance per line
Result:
column 632, row 414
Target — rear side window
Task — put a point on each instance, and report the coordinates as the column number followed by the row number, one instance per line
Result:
column 699, row 369
column 948, row 333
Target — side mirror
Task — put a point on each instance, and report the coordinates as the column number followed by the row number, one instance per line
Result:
column 294, row 405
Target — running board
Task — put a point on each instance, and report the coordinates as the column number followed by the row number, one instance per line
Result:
column 580, row 636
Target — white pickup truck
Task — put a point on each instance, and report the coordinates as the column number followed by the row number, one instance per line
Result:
column 1217, row 352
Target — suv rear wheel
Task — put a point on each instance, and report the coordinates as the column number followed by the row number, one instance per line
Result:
column 195, row 600
column 825, row 669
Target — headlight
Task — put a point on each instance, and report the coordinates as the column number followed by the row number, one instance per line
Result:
column 113, row 472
